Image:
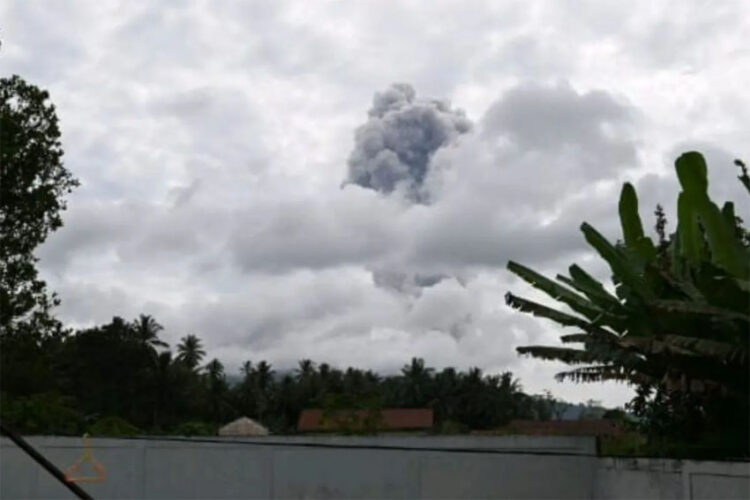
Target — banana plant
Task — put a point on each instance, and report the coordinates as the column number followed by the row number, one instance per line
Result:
column 687, row 320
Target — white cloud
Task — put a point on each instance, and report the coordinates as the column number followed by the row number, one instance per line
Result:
column 212, row 138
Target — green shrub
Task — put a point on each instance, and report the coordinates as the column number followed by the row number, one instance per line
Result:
column 452, row 427
column 195, row 429
column 41, row 414
column 113, row 426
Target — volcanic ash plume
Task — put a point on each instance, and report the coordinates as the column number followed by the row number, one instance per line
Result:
column 392, row 151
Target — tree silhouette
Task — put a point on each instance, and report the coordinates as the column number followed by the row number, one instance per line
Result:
column 33, row 183
column 417, row 380
column 190, row 351
column 146, row 331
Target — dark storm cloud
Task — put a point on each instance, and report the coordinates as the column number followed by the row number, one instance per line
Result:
column 392, row 151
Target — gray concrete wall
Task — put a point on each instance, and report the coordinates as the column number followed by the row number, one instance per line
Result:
column 620, row 478
column 281, row 467
column 271, row 468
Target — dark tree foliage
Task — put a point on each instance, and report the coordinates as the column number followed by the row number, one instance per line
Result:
column 113, row 377
column 190, row 351
column 743, row 177
column 662, row 245
column 33, row 182
column 677, row 323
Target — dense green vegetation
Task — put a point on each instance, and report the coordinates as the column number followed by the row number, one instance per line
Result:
column 32, row 187
column 120, row 378
column 676, row 325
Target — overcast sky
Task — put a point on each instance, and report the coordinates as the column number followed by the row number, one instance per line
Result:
column 345, row 180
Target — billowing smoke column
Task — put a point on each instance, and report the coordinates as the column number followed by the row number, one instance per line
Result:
column 392, row 150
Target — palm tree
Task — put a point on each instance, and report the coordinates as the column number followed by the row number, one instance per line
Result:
column 306, row 370
column 263, row 379
column 307, row 381
column 417, row 379
column 508, row 383
column 217, row 387
column 331, row 379
column 247, row 391
column 163, row 385
column 190, row 351
column 146, row 331
column 264, row 375
column 447, row 393
column 286, row 408
column 247, row 370
column 214, row 370
column 485, row 401
column 372, row 378
column 354, row 381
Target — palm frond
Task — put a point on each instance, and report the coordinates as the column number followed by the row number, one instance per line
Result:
column 558, row 292
column 598, row 373
column 565, row 354
column 684, row 307
column 543, row 311
column 723, row 351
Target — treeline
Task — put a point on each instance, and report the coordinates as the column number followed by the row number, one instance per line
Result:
column 121, row 378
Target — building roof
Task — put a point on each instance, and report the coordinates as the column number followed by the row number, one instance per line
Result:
column 566, row 427
column 389, row 419
column 243, row 426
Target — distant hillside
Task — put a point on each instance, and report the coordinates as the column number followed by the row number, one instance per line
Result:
column 576, row 411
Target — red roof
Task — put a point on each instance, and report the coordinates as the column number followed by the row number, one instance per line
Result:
column 389, row 419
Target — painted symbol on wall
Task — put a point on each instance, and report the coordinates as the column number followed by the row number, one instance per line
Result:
column 74, row 474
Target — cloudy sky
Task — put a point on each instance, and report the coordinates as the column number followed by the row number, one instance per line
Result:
column 345, row 180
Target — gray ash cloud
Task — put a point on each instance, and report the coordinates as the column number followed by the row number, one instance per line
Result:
column 392, row 151
column 405, row 282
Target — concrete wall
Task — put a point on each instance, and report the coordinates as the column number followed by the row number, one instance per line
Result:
column 617, row 478
column 282, row 467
